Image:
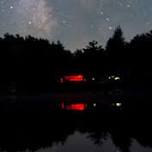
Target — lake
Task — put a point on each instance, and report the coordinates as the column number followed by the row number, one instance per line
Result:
column 76, row 122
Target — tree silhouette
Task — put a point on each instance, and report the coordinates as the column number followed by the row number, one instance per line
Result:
column 94, row 57
column 115, row 50
column 31, row 63
column 140, row 57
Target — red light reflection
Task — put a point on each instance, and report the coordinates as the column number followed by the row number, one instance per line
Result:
column 74, row 106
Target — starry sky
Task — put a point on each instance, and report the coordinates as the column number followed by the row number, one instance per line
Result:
column 75, row 22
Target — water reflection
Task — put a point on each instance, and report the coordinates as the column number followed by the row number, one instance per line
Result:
column 81, row 142
column 31, row 124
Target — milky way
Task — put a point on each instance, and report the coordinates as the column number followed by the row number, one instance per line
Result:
column 75, row 22
column 36, row 18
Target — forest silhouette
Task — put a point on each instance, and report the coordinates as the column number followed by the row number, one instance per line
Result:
column 30, row 64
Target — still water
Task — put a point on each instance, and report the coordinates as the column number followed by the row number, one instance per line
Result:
column 75, row 122
column 81, row 142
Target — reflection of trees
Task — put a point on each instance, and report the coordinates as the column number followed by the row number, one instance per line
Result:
column 33, row 133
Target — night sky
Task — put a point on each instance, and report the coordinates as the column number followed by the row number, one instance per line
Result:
column 75, row 22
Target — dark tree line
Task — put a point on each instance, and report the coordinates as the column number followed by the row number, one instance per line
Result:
column 31, row 63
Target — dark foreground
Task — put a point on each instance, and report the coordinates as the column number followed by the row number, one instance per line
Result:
column 50, row 122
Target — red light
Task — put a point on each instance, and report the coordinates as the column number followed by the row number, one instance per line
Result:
column 75, row 78
column 74, row 107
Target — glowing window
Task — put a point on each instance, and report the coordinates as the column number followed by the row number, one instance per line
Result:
column 74, row 78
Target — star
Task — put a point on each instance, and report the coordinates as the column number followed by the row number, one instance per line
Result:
column 128, row 5
column 101, row 13
column 110, row 28
column 64, row 22
column 30, row 22
column 11, row 7
column 107, row 19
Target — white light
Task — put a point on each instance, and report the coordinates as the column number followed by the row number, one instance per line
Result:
column 118, row 104
column 117, row 78
column 94, row 104
column 114, row 77
column 109, row 77
column 93, row 78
